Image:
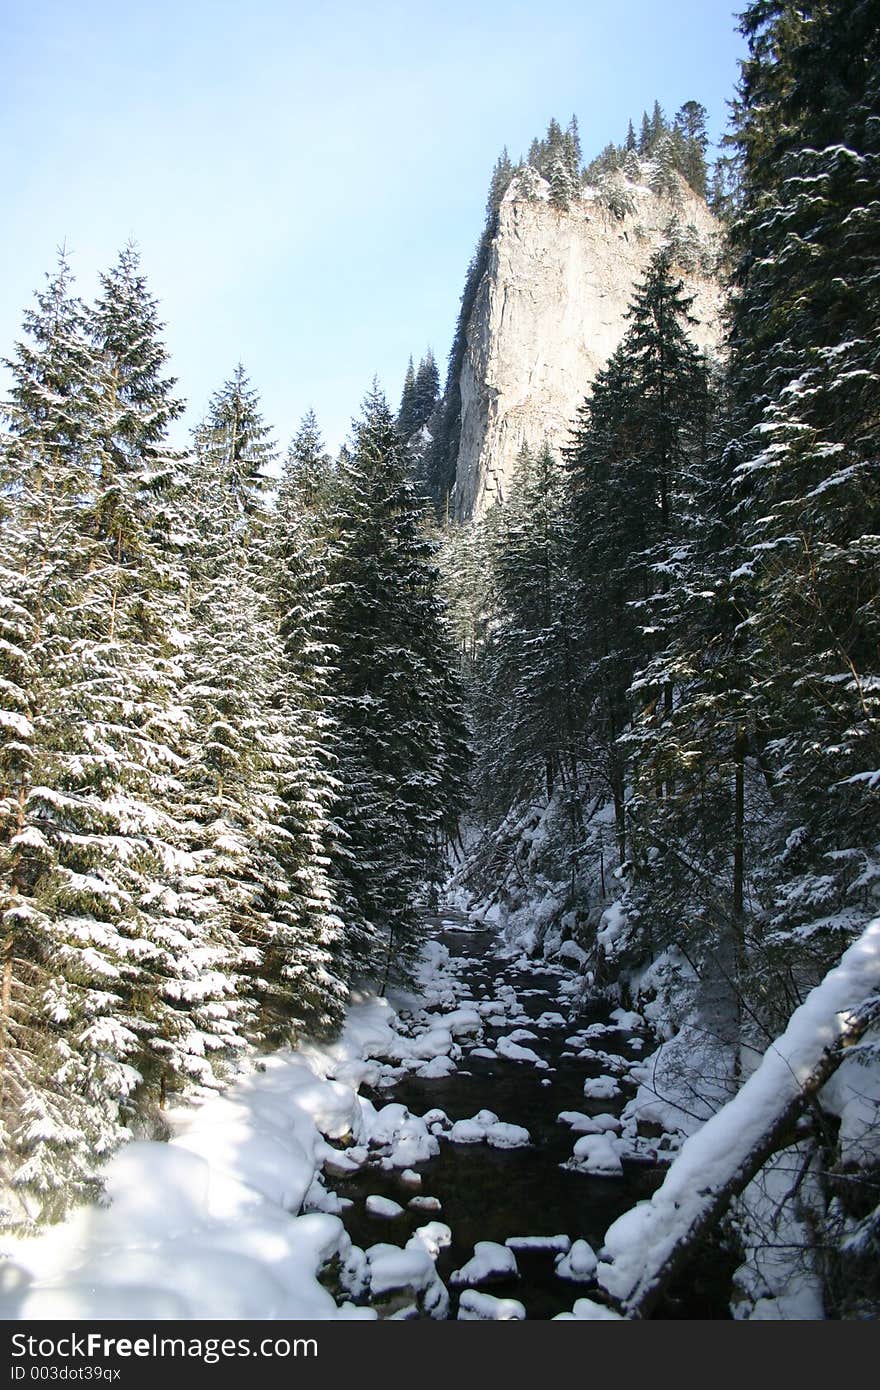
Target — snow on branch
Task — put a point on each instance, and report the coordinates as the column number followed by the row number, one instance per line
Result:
column 647, row 1246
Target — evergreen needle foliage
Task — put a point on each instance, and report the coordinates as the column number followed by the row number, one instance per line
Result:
column 231, row 746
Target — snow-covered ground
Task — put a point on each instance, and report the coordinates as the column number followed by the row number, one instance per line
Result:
column 212, row 1223
column 236, row 1216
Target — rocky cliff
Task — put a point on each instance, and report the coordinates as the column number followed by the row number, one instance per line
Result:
column 549, row 312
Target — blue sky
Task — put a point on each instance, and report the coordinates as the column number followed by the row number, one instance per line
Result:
column 306, row 182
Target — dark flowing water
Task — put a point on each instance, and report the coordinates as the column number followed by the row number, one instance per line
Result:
column 493, row 1194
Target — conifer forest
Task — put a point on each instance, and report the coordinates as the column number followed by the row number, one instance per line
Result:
column 316, row 782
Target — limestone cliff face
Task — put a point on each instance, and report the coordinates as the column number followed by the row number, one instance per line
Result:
column 549, row 312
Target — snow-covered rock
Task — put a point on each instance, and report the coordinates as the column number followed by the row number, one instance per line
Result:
column 505, row 1136
column 586, row 1310
column 475, row 1306
column 486, row 1127
column 383, row 1207
column 433, row 1237
column 560, row 1244
column 627, row 1020
column 425, row 1204
column 462, row 1022
column 437, row 1067
column 405, row 1136
column 590, row 1124
column 467, row 1132
column 411, row 1275
column 340, row 1163
column 571, row 951
column 579, row 1265
column 601, row 1088
column 489, row 1261
column 595, row 1153
column 514, row 1052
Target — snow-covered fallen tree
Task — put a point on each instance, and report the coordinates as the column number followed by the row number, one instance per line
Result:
column 648, row 1246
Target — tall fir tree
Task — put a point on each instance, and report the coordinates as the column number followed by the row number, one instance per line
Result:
column 805, row 376
column 528, row 666
column 137, row 517
column 406, row 411
column 55, row 1123
column 301, row 562
column 628, row 457
column 247, row 766
column 396, row 697
column 426, row 390
column 690, row 127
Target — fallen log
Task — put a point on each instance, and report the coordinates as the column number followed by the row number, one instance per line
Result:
column 650, row 1244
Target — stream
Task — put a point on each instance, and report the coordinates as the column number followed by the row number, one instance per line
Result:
column 498, row 1194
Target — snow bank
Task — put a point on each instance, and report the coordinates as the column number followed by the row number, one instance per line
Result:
column 231, row 1218
column 207, row 1225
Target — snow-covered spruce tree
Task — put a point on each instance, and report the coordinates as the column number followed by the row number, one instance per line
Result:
column 406, row 412
column 562, row 187
column 69, row 960
column 301, row 557
column 664, row 176
column 426, row 389
column 396, row 697
column 644, row 145
column 188, row 955
column 806, row 495
column 468, row 586
column 421, row 389
column 701, row 803
column 527, row 723
column 807, row 492
column 247, row 763
column 629, row 460
column 525, row 688
column 690, row 127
